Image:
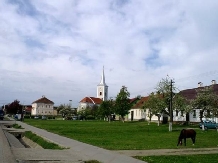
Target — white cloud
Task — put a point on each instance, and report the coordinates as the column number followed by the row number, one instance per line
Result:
column 58, row 48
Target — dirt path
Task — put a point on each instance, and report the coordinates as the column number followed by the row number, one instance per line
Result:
column 188, row 151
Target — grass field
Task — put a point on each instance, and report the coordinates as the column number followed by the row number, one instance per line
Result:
column 125, row 136
column 204, row 158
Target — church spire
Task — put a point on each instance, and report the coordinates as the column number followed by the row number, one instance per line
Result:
column 102, row 82
column 102, row 88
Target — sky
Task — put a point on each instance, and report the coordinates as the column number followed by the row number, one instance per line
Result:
column 57, row 48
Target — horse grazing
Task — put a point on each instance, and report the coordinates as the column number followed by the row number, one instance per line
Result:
column 186, row 133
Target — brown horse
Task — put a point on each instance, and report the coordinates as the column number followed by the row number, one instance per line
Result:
column 186, row 133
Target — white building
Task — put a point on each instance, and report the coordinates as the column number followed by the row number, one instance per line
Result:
column 42, row 106
column 137, row 112
column 102, row 95
column 102, row 88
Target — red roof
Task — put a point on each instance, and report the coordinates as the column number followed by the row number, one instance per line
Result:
column 140, row 103
column 28, row 108
column 43, row 100
column 93, row 100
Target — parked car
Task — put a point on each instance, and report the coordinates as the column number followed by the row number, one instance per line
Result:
column 209, row 125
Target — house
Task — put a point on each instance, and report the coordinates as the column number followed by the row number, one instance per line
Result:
column 42, row 106
column 137, row 113
column 190, row 94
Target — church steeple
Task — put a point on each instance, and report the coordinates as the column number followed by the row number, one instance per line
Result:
column 102, row 88
column 102, row 82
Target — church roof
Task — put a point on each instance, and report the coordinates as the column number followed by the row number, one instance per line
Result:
column 43, row 100
column 93, row 100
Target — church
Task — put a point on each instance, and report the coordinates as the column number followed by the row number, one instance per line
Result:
column 102, row 95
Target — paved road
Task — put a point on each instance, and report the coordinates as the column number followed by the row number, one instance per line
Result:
column 77, row 153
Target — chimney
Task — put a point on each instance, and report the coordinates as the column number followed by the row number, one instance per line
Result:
column 213, row 82
column 200, row 84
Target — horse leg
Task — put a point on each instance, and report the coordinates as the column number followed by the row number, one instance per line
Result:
column 185, row 141
column 193, row 140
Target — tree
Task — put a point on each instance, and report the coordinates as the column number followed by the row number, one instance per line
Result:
column 14, row 108
column 65, row 110
column 206, row 101
column 106, row 109
column 122, row 103
column 165, row 88
column 155, row 105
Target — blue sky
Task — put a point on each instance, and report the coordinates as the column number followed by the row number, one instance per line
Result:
column 58, row 48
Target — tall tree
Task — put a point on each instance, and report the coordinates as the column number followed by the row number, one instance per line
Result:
column 206, row 101
column 122, row 103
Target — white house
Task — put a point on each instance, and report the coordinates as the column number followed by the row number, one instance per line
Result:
column 42, row 106
column 137, row 113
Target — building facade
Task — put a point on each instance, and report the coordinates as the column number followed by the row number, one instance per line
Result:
column 42, row 106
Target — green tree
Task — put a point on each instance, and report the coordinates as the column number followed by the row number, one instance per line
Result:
column 155, row 106
column 206, row 101
column 106, row 109
column 182, row 105
column 65, row 111
column 122, row 103
column 164, row 89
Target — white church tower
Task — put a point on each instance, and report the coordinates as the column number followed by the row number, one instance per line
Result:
column 102, row 88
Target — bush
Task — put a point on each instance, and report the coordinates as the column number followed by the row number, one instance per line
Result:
column 90, row 117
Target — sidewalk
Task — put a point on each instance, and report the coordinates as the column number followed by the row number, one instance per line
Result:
column 6, row 155
column 77, row 152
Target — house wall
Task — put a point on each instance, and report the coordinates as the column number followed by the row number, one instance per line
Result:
column 137, row 114
column 83, row 105
column 42, row 109
column 193, row 116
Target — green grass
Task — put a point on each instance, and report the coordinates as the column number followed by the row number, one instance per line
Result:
column 40, row 141
column 17, row 126
column 126, row 136
column 202, row 158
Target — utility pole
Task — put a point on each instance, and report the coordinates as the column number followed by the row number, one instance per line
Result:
column 171, row 106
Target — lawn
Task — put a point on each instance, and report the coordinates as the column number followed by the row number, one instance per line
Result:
column 125, row 136
column 204, row 158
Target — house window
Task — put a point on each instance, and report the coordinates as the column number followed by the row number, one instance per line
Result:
column 194, row 113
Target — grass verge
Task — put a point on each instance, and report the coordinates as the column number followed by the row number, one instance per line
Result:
column 42, row 142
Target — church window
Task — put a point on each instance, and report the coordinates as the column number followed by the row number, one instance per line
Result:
column 100, row 93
